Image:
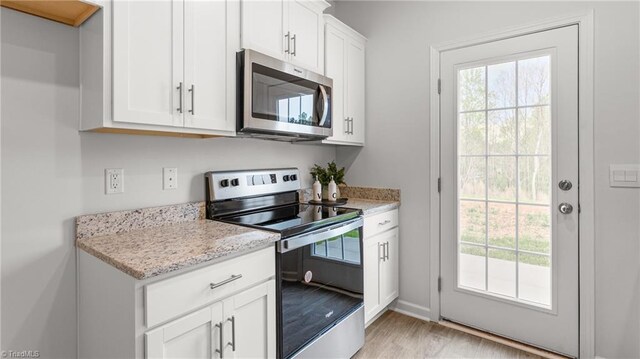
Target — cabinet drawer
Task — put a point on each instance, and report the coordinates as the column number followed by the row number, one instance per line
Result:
column 174, row 296
column 381, row 222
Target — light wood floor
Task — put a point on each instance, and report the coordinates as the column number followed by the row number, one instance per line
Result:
column 396, row 335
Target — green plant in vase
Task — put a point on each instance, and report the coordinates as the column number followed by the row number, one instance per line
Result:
column 324, row 174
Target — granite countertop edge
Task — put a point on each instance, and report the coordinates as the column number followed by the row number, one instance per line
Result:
column 176, row 266
column 370, row 206
column 166, row 264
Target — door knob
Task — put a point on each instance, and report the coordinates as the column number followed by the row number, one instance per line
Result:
column 565, row 208
column 565, row 185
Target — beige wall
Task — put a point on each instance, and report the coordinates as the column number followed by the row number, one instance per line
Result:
column 397, row 151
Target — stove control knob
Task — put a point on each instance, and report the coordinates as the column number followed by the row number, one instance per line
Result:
column 293, row 177
column 285, row 178
column 235, row 182
column 224, row 183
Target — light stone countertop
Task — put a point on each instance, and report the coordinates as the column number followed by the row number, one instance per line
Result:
column 370, row 206
column 149, row 252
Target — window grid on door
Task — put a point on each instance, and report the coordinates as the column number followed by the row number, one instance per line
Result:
column 527, row 98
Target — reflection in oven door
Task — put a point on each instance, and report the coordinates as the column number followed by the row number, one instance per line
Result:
column 320, row 284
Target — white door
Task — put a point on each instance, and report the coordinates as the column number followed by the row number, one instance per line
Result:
column 389, row 267
column 335, row 64
column 307, row 38
column 509, row 141
column 263, row 27
column 210, row 42
column 355, row 90
column 147, row 61
column 251, row 323
column 197, row 335
column 372, row 258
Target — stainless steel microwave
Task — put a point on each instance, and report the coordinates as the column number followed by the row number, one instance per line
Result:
column 278, row 100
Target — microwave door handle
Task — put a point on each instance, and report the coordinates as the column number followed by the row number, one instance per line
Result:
column 325, row 105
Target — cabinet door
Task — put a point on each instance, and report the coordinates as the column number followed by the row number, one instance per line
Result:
column 389, row 268
column 307, row 37
column 263, row 26
column 210, row 44
column 147, row 61
column 355, row 90
column 372, row 261
column 196, row 335
column 251, row 322
column 335, row 63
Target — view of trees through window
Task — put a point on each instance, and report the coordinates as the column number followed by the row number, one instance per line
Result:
column 504, row 176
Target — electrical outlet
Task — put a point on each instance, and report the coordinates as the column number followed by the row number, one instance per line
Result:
column 170, row 178
column 114, row 180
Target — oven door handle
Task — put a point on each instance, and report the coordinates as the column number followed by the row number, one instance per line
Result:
column 290, row 244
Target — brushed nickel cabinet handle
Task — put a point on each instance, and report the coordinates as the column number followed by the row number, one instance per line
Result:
column 233, row 332
column 192, row 90
column 179, row 88
column 386, row 256
column 287, row 36
column 221, row 342
column 226, row 281
column 381, row 245
column 346, row 122
column 293, row 38
column 386, row 221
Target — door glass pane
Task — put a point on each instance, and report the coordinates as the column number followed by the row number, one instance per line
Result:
column 534, row 282
column 502, row 225
column 472, row 133
column 502, row 132
column 501, row 82
column 504, row 177
column 533, row 81
column 472, row 174
column 472, row 267
column 502, row 272
column 472, row 222
column 472, row 90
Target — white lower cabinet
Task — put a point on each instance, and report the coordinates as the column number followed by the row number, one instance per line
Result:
column 380, row 263
column 192, row 336
column 223, row 310
column 242, row 326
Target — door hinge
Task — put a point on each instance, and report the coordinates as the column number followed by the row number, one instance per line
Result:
column 439, row 86
column 439, row 284
column 439, row 185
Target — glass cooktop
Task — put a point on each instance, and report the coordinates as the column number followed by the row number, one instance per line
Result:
column 293, row 219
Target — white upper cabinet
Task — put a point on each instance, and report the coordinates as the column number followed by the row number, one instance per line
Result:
column 147, row 61
column 209, row 71
column 290, row 30
column 160, row 66
column 263, row 27
column 345, row 64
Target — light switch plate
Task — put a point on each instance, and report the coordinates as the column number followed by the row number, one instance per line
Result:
column 169, row 178
column 624, row 176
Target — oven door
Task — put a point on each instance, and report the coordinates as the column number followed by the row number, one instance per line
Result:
column 280, row 98
column 320, row 284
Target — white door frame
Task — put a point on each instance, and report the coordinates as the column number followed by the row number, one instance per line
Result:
column 585, row 21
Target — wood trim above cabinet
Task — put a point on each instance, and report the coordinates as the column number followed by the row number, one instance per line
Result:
column 69, row 12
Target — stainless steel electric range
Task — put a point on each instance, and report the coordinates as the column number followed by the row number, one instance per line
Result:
column 318, row 259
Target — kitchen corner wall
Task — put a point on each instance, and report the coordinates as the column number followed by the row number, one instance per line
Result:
column 397, row 152
column 52, row 173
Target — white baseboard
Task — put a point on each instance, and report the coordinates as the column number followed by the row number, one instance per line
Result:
column 412, row 310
